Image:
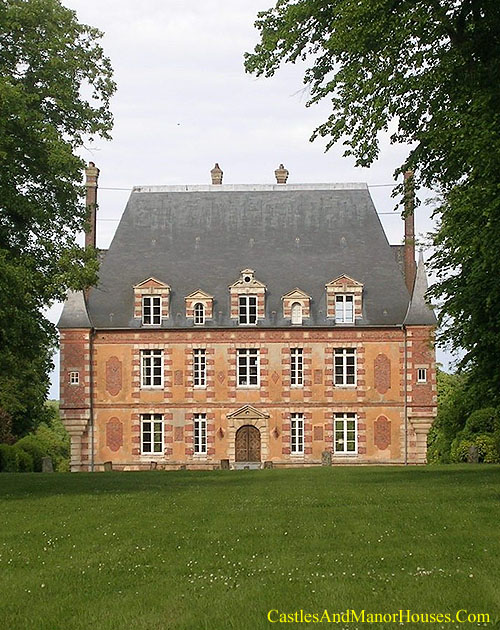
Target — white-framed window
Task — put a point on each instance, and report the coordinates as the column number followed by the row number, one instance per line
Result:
column 74, row 378
column 344, row 308
column 151, row 368
column 152, row 434
column 199, row 314
column 199, row 367
column 200, row 433
column 345, row 366
column 296, row 367
column 151, row 310
column 296, row 313
column 247, row 309
column 345, row 427
column 248, row 367
column 297, row 433
column 422, row 375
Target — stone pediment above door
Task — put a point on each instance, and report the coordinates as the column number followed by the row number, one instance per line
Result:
column 247, row 412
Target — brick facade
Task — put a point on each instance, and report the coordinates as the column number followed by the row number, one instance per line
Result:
column 377, row 399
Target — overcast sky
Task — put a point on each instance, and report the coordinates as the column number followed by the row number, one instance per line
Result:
column 184, row 102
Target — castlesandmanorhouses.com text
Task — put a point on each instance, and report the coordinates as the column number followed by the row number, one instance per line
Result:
column 363, row 616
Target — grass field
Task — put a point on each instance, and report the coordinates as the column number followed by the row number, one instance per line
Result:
column 215, row 550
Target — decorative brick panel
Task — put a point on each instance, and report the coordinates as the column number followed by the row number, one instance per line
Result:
column 114, row 434
column 382, row 373
column 114, row 376
column 382, row 433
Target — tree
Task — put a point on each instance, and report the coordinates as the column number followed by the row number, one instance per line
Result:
column 431, row 69
column 55, row 88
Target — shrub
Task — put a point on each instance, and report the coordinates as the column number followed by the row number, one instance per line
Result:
column 8, row 458
column 486, row 444
column 483, row 421
column 32, row 445
column 24, row 459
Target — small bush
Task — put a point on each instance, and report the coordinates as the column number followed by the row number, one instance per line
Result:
column 486, row 444
column 483, row 421
column 8, row 458
column 32, row 445
column 24, row 459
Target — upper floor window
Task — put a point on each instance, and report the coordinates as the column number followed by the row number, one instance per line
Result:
column 346, row 433
column 422, row 375
column 74, row 378
column 345, row 366
column 151, row 368
column 247, row 309
column 200, row 433
column 297, row 433
column 344, row 308
column 248, row 367
column 152, row 433
column 199, row 367
column 296, row 313
column 296, row 367
column 151, row 310
column 199, row 314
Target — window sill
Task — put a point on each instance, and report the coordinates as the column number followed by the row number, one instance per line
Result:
column 152, row 454
column 198, row 387
column 346, row 454
column 248, row 387
column 145, row 388
column 296, row 386
column 344, row 386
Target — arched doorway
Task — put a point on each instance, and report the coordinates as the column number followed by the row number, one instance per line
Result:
column 247, row 444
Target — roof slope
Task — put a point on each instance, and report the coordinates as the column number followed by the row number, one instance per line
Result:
column 419, row 311
column 74, row 313
column 292, row 236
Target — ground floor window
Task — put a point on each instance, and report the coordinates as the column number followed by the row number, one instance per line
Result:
column 297, row 433
column 200, row 433
column 346, row 433
column 152, row 434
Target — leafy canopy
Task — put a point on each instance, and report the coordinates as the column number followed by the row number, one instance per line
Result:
column 431, row 70
column 55, row 88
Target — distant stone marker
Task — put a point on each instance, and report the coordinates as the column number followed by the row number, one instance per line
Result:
column 326, row 458
column 47, row 465
column 108, row 466
column 473, row 455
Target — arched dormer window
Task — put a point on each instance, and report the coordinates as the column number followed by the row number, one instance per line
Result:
column 199, row 314
column 296, row 313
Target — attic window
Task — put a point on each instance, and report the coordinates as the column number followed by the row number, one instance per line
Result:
column 296, row 313
column 248, row 309
column 151, row 310
column 199, row 314
column 344, row 308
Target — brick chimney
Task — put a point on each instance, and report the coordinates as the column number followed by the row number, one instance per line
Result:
column 281, row 174
column 216, row 174
column 409, row 242
column 91, row 177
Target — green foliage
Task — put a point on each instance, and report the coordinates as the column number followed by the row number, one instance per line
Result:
column 24, row 460
column 483, row 421
column 30, row 444
column 8, row 458
column 431, row 70
column 486, row 444
column 55, row 88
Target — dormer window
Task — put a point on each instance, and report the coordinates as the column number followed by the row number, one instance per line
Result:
column 344, row 300
column 199, row 307
column 247, row 299
column 344, row 308
column 296, row 306
column 296, row 313
column 151, row 310
column 199, row 314
column 248, row 309
column 151, row 302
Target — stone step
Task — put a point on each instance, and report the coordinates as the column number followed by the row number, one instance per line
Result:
column 247, row 465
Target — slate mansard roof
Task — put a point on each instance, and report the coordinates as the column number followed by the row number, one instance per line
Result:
column 201, row 237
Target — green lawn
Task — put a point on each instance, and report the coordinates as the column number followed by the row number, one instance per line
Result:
column 215, row 550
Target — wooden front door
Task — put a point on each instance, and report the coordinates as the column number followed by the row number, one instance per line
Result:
column 247, row 445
